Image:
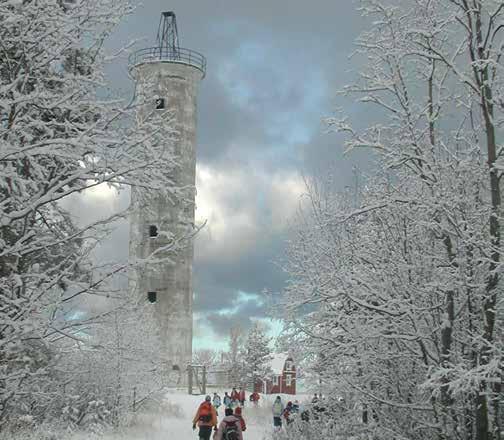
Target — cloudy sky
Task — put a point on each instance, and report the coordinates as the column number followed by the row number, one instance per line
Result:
column 274, row 67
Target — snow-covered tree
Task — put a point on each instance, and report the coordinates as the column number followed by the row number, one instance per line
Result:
column 256, row 354
column 233, row 358
column 120, row 368
column 401, row 294
column 60, row 135
column 206, row 357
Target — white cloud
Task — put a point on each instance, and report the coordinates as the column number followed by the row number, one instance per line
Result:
column 96, row 203
column 241, row 207
column 286, row 190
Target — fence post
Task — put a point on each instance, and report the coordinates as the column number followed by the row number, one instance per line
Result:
column 189, row 379
column 203, row 385
column 134, row 399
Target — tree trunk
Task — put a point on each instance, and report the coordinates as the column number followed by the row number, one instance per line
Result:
column 479, row 56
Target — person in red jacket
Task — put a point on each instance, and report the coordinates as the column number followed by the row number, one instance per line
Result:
column 234, row 395
column 241, row 396
column 254, row 397
column 206, row 419
column 288, row 413
column 238, row 415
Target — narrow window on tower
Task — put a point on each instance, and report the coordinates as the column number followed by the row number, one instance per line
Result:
column 153, row 232
column 160, row 103
column 152, row 297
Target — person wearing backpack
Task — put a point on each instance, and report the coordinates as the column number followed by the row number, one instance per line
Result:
column 278, row 409
column 238, row 415
column 216, row 402
column 206, row 419
column 229, row 427
column 227, row 400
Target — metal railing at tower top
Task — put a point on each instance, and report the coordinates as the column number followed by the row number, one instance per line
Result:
column 168, row 55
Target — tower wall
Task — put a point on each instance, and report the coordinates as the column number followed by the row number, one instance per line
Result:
column 171, row 280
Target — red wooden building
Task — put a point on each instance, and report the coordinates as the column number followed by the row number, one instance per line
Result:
column 282, row 379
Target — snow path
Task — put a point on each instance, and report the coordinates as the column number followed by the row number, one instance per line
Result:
column 175, row 423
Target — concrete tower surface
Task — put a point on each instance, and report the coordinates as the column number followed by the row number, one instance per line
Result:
column 167, row 79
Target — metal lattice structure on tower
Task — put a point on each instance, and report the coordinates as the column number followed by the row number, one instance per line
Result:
column 167, row 36
column 168, row 48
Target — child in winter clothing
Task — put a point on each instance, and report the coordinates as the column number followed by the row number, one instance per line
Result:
column 227, row 400
column 216, row 402
column 229, row 427
column 295, row 407
column 241, row 397
column 287, row 413
column 254, row 397
column 278, row 409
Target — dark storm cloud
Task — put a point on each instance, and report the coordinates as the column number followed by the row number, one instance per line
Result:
column 273, row 69
column 243, row 315
column 217, row 283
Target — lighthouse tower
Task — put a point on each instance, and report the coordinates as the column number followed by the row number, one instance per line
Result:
column 167, row 79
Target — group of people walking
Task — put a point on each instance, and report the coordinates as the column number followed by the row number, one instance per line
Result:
column 234, row 399
column 283, row 413
column 231, row 426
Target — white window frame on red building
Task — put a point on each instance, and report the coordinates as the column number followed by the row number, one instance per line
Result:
column 288, row 380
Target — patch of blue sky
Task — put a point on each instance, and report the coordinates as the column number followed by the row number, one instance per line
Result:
column 210, row 342
column 244, row 297
column 241, row 300
column 228, row 311
column 204, row 337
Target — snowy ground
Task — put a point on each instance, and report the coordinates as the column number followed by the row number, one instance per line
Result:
column 174, row 421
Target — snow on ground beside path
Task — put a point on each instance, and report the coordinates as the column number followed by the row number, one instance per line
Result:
column 173, row 421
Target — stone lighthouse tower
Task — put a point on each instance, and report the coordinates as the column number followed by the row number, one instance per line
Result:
column 167, row 79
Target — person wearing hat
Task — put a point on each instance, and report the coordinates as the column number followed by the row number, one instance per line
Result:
column 206, row 419
column 278, row 409
column 216, row 402
column 287, row 413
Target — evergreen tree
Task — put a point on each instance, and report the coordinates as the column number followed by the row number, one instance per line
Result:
column 234, row 360
column 257, row 354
